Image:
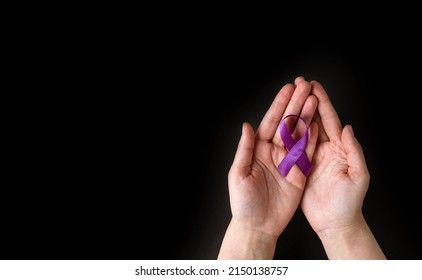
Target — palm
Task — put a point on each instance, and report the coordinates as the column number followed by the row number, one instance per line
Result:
column 330, row 193
column 265, row 198
column 260, row 198
column 337, row 186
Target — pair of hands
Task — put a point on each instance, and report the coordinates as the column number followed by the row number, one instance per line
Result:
column 263, row 202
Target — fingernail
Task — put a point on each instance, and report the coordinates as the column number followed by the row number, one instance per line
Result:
column 351, row 129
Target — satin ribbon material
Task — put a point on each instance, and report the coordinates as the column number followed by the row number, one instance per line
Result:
column 295, row 150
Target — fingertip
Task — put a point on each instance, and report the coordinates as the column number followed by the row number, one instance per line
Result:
column 243, row 157
column 288, row 88
column 244, row 125
column 246, row 128
column 315, row 85
column 285, row 93
column 247, row 139
column 314, row 82
column 355, row 155
column 298, row 80
column 348, row 130
column 351, row 130
column 348, row 138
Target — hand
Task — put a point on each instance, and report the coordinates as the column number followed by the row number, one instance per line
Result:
column 335, row 190
column 262, row 201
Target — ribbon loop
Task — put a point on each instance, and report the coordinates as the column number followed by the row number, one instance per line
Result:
column 295, row 150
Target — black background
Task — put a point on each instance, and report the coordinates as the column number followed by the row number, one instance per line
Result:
column 129, row 158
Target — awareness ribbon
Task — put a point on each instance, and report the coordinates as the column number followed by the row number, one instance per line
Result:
column 295, row 150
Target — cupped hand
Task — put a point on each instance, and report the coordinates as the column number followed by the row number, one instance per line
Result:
column 261, row 199
column 337, row 185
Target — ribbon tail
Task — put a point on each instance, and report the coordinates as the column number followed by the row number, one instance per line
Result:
column 292, row 156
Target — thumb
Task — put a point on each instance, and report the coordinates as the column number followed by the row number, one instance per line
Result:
column 241, row 166
column 358, row 171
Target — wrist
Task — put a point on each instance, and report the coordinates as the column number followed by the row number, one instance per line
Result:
column 241, row 242
column 352, row 241
column 342, row 232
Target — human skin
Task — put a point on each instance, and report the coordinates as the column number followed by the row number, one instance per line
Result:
column 262, row 201
column 333, row 198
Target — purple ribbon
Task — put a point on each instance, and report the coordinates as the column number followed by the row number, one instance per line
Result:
column 295, row 150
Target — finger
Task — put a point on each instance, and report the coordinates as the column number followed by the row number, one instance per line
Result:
column 272, row 118
column 294, row 107
column 358, row 170
column 298, row 99
column 298, row 80
column 329, row 118
column 308, row 111
column 296, row 125
column 241, row 166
